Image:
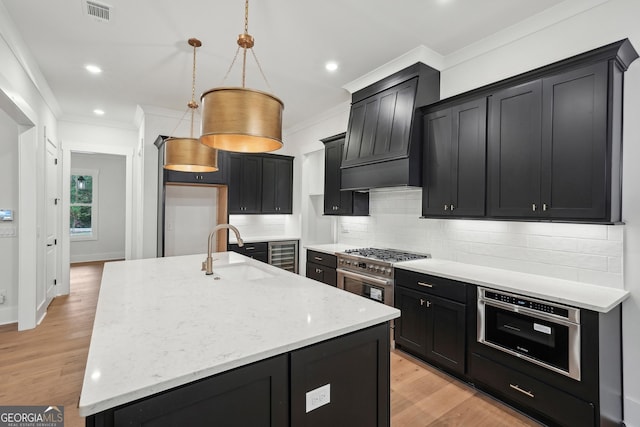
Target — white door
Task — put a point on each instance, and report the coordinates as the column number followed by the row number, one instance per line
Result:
column 52, row 214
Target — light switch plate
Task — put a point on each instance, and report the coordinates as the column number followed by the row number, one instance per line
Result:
column 318, row 397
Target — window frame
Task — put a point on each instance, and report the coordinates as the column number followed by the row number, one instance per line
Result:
column 94, row 173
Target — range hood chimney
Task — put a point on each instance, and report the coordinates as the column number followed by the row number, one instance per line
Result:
column 383, row 146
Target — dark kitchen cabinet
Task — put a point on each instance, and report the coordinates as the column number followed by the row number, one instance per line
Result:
column 337, row 202
column 221, row 176
column 255, row 250
column 245, row 183
column 322, row 267
column 432, row 325
column 554, row 146
column 260, row 184
column 254, row 395
column 277, row 185
column 454, row 160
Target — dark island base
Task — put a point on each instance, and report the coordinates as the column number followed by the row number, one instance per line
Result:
column 273, row 392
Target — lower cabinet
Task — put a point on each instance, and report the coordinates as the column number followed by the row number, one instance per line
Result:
column 256, row 250
column 432, row 325
column 547, row 403
column 322, row 267
column 343, row 381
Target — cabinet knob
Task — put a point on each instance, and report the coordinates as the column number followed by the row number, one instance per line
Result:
column 533, row 207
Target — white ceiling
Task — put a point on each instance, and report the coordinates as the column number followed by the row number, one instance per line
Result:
column 146, row 60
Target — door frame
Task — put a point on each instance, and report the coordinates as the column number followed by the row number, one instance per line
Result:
column 67, row 149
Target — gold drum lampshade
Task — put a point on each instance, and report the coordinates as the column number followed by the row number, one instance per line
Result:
column 241, row 120
column 189, row 155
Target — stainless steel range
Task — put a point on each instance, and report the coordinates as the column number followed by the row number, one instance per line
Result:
column 369, row 271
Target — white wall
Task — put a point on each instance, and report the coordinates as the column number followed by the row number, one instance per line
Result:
column 9, row 200
column 110, row 243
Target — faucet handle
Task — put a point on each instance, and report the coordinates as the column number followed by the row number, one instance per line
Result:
column 204, row 265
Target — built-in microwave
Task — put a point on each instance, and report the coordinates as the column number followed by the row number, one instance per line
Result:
column 544, row 333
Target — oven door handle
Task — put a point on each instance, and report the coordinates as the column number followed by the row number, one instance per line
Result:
column 524, row 310
column 362, row 277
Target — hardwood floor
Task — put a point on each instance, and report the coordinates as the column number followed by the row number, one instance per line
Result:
column 45, row 366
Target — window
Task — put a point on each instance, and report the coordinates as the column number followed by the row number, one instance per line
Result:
column 83, row 215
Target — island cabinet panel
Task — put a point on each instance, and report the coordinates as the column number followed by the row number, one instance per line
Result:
column 432, row 325
column 454, row 160
column 355, row 371
column 254, row 395
column 255, row 250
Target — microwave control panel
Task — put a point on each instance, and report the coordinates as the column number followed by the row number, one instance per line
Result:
column 530, row 304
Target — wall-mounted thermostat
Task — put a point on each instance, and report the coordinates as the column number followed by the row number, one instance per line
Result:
column 6, row 215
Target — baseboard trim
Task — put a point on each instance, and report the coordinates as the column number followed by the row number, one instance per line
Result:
column 8, row 315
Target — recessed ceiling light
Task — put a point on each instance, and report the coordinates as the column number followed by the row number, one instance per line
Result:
column 98, row 112
column 331, row 66
column 444, row 1
column 93, row 69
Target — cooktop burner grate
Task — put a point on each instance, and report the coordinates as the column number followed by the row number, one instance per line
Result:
column 388, row 255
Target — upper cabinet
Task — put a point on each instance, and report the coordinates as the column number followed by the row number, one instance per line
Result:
column 336, row 201
column 277, row 185
column 553, row 144
column 382, row 146
column 260, row 184
column 454, row 160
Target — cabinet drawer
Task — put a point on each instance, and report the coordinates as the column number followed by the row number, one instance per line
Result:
column 322, row 273
column 434, row 285
column 535, row 397
column 321, row 258
column 249, row 248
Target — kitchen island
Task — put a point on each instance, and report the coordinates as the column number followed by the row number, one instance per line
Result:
column 250, row 345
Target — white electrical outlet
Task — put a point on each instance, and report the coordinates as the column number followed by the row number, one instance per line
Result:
column 318, row 397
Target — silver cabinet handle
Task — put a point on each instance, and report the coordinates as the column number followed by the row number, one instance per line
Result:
column 249, row 248
column 533, row 207
column 451, row 207
column 525, row 392
column 422, row 301
column 317, row 258
column 446, row 207
column 318, row 271
column 426, row 285
column 544, row 206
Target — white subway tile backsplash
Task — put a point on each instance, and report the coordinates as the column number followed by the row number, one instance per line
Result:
column 583, row 252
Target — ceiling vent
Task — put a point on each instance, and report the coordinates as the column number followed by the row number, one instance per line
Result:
column 98, row 11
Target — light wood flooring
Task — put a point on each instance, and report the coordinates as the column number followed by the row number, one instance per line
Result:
column 45, row 366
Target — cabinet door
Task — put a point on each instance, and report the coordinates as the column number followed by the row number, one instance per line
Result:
column 514, row 145
column 245, row 176
column 322, row 273
column 277, row 179
column 574, row 143
column 254, row 395
column 436, row 190
column 411, row 327
column 469, row 154
column 380, row 126
column 445, row 343
column 336, row 202
column 218, row 177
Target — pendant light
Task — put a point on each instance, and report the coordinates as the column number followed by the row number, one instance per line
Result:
column 188, row 154
column 240, row 119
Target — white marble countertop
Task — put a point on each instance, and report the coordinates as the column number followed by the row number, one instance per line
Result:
column 330, row 248
column 161, row 322
column 578, row 294
column 255, row 239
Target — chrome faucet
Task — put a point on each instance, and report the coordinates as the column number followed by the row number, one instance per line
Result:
column 207, row 264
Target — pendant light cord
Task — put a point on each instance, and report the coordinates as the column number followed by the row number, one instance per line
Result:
column 192, row 105
column 245, row 41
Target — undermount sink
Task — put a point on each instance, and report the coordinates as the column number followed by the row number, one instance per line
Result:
column 239, row 271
